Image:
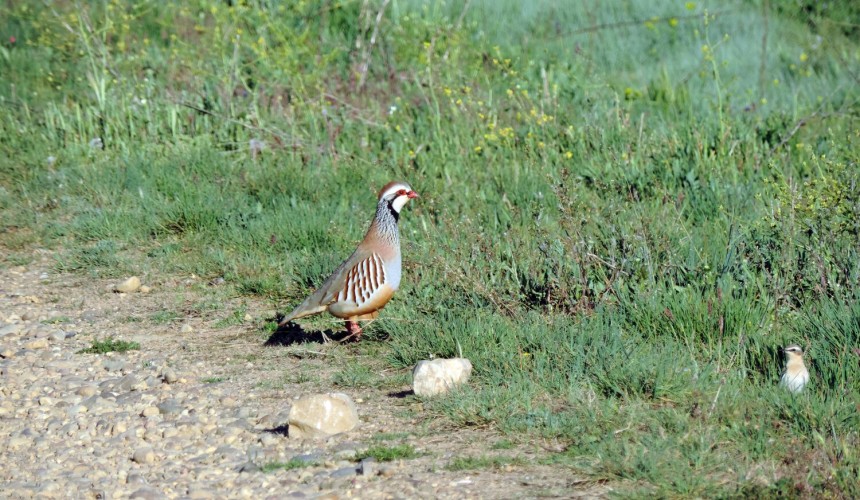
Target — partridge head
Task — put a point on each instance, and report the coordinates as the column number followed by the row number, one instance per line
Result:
column 795, row 376
column 367, row 280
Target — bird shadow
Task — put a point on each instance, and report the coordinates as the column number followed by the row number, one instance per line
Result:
column 400, row 394
column 283, row 430
column 293, row 334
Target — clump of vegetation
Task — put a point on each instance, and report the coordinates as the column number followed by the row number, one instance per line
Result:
column 110, row 344
column 389, row 453
column 289, row 465
column 482, row 462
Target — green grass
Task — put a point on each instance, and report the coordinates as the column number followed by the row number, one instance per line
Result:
column 389, row 453
column 390, row 436
column 213, row 380
column 355, row 374
column 482, row 462
column 58, row 320
column 626, row 207
column 289, row 465
column 502, row 444
column 163, row 317
column 237, row 317
column 110, row 344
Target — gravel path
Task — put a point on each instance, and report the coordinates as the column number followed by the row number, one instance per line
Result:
column 199, row 411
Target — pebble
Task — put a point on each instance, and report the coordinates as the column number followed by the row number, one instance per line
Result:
column 343, row 472
column 186, row 328
column 87, row 391
column 145, row 289
column 150, row 411
column 249, row 467
column 147, row 494
column 10, row 329
column 367, row 466
column 144, row 455
column 169, row 375
column 113, row 365
column 169, row 407
column 37, row 344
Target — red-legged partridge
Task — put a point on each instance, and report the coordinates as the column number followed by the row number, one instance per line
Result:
column 365, row 282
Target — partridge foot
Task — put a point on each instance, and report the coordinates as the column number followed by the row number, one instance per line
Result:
column 354, row 330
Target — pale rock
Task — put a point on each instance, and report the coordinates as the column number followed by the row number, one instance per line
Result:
column 432, row 377
column 128, row 286
column 6, row 352
column 186, row 328
column 37, row 344
column 322, row 415
column 169, row 375
column 143, row 455
column 145, row 289
column 87, row 391
column 368, row 466
column 150, row 411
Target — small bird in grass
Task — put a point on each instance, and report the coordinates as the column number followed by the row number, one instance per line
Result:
column 364, row 282
column 795, row 376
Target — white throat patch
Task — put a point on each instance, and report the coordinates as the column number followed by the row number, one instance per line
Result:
column 398, row 202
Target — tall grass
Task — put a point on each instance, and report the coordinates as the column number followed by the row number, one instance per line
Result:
column 627, row 207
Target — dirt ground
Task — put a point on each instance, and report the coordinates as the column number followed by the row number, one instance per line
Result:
column 227, row 371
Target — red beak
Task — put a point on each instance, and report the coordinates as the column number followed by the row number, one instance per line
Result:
column 412, row 194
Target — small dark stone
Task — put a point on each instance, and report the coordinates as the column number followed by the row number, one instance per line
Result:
column 169, row 407
column 113, row 365
column 249, row 467
column 367, row 467
column 344, row 472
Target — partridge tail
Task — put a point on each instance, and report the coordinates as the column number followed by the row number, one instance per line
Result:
column 311, row 305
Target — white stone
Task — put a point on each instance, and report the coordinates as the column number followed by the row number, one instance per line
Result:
column 322, row 415
column 439, row 375
column 143, row 455
column 130, row 285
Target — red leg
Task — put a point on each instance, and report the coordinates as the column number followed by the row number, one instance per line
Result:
column 354, row 330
